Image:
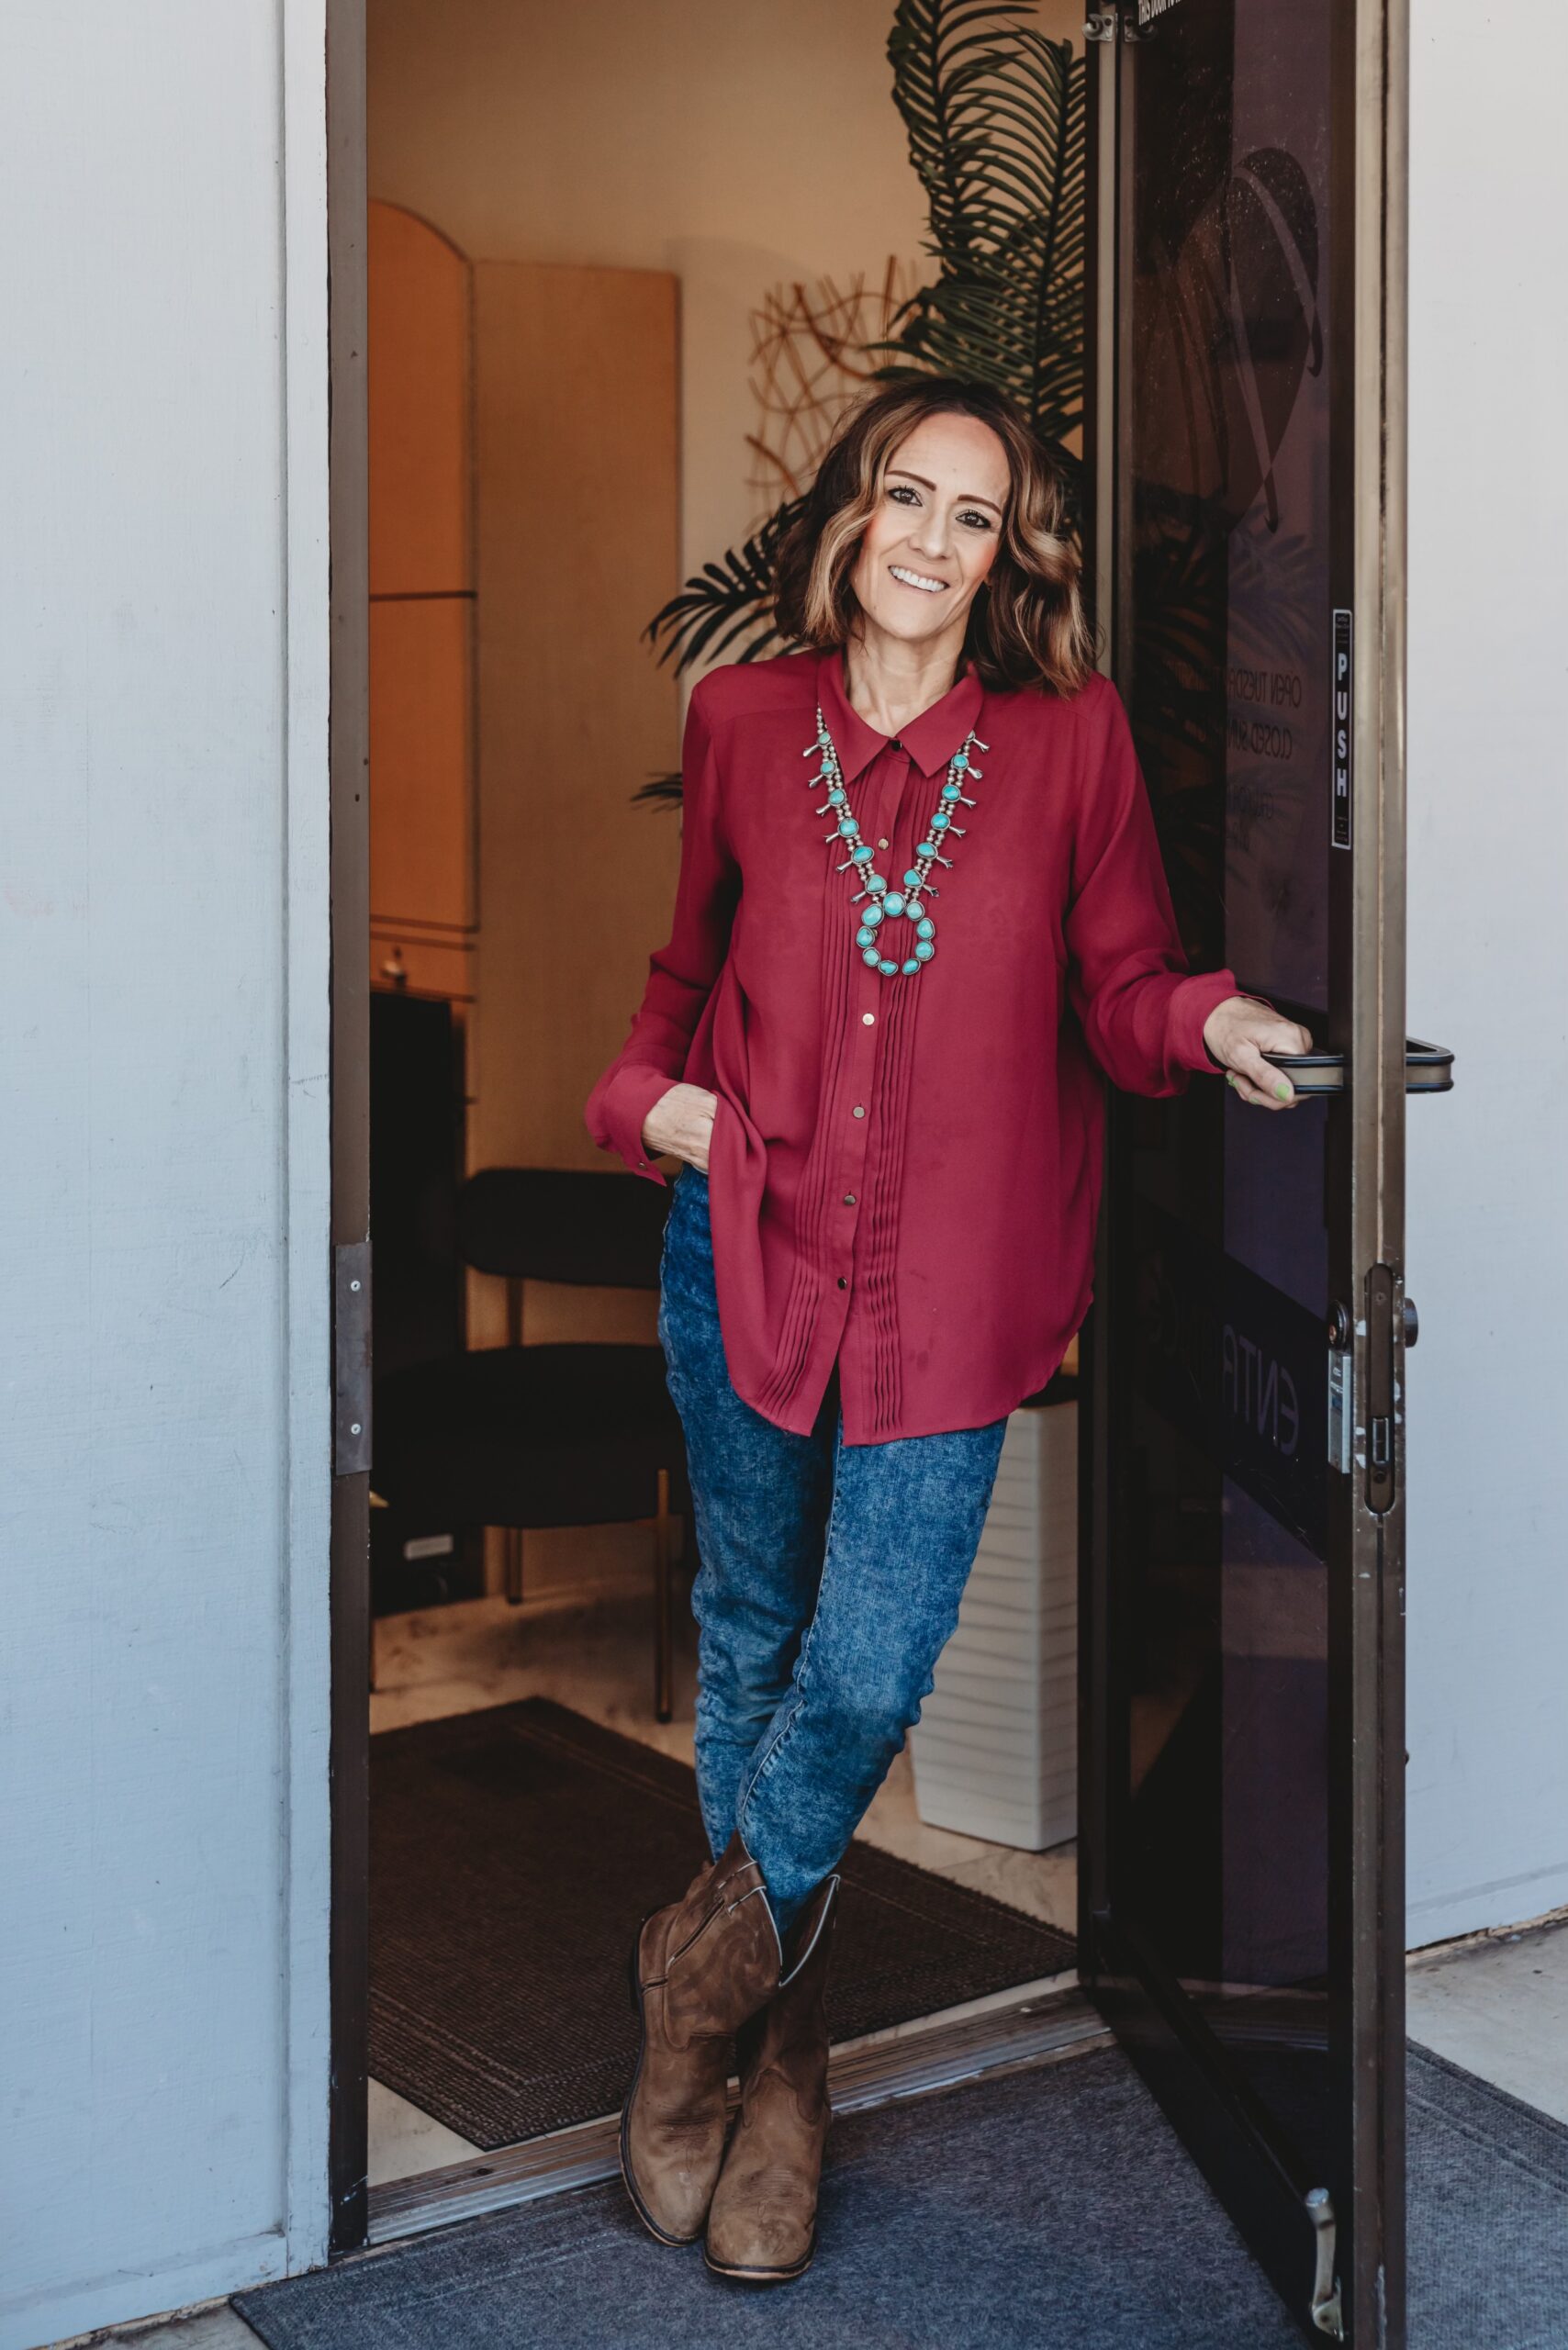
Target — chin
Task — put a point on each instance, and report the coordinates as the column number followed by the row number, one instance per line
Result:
column 911, row 623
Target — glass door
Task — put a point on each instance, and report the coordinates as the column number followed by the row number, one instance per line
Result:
column 1242, row 1839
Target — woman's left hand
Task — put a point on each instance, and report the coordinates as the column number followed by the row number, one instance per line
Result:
column 1238, row 1032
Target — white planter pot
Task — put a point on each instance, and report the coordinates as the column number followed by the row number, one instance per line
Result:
column 995, row 1751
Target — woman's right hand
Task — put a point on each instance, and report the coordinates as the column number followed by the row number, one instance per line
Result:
column 681, row 1124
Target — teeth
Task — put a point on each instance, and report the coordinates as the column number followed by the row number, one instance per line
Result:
column 917, row 579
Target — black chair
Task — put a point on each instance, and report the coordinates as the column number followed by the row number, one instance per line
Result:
column 529, row 1437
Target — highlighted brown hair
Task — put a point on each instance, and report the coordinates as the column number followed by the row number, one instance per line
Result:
column 1026, row 625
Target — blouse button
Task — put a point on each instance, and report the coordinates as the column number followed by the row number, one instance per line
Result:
column 884, row 844
column 859, row 1110
column 849, row 1199
column 868, row 1019
column 842, row 1282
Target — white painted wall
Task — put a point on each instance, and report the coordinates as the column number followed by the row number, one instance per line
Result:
column 1488, row 871
column 163, row 1236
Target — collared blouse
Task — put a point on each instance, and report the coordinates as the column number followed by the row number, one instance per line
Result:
column 904, row 1171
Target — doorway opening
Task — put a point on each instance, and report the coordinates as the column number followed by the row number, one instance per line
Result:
column 615, row 304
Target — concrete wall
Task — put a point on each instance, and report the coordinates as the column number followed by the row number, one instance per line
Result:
column 163, row 1236
column 1488, row 1238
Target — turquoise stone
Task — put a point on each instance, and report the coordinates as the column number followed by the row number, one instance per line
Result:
column 887, row 970
column 864, row 937
column 836, row 798
column 849, row 826
column 951, row 791
column 872, row 915
column 909, row 969
column 926, row 848
column 911, row 879
column 875, row 881
column 893, row 902
column 925, row 950
column 925, row 928
column 862, row 855
column 939, row 821
column 871, row 957
column 960, row 760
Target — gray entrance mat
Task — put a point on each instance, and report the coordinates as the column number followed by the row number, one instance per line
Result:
column 514, row 1852
column 1049, row 2211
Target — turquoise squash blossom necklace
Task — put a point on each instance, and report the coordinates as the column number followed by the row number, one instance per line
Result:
column 883, row 903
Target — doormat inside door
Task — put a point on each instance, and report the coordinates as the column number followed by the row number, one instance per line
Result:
column 514, row 1852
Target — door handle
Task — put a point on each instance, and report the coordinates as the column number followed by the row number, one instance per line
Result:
column 1428, row 1068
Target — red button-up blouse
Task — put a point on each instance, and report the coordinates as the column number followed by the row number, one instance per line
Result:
column 904, row 1172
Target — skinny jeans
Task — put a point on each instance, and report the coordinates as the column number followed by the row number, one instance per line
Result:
column 829, row 1583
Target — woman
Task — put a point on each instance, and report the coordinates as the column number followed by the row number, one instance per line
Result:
column 921, row 912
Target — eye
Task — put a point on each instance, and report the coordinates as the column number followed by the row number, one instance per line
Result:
column 904, row 492
column 976, row 521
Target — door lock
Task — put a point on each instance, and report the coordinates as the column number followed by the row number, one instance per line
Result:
column 1380, row 1388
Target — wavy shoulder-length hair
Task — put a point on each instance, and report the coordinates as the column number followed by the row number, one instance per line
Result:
column 1026, row 625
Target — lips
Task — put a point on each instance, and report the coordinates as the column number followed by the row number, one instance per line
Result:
column 921, row 579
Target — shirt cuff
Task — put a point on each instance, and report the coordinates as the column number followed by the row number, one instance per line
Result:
column 1190, row 1007
column 626, row 1102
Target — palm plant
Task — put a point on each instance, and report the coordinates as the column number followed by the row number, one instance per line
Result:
column 995, row 117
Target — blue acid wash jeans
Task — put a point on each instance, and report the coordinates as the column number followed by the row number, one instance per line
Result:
column 830, row 1582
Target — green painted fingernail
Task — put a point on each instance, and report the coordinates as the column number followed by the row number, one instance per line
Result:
column 1282, row 1091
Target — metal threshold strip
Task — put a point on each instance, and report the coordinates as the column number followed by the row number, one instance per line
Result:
column 1038, row 2030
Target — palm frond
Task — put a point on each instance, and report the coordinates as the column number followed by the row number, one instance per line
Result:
column 996, row 120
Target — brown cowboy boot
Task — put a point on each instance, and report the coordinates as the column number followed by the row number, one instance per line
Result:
column 762, row 2221
column 701, row 1969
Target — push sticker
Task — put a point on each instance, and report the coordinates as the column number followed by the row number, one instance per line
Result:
column 1342, row 716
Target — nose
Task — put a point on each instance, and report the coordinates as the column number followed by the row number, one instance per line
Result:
column 932, row 533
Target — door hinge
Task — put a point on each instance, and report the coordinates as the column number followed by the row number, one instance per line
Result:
column 351, row 1358
column 1381, row 1290
column 1325, row 2311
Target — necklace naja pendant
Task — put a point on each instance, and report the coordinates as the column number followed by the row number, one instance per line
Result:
column 883, row 903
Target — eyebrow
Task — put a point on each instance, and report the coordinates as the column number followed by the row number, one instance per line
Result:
column 969, row 497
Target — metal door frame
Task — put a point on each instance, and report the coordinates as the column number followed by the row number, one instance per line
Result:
column 1367, row 1635
column 349, row 761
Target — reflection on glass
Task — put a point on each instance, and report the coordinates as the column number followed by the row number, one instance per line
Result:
column 1224, row 1584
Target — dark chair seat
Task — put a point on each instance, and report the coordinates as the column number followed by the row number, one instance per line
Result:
column 528, row 1437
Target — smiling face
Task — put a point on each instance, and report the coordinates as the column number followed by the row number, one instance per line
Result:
column 934, row 534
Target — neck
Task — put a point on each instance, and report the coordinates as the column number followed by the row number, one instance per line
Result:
column 890, row 681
